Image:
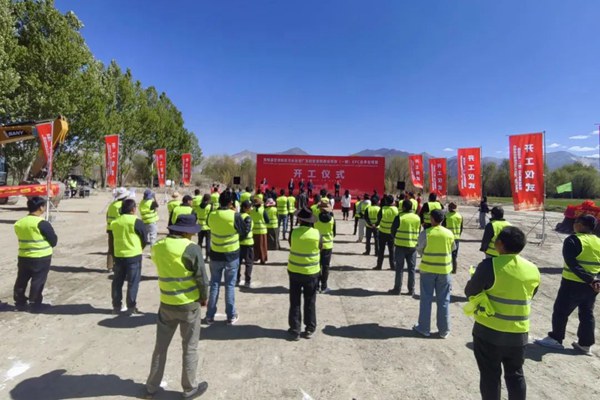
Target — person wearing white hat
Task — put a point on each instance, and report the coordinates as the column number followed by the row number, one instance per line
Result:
column 112, row 213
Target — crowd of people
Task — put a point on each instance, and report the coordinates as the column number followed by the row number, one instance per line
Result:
column 232, row 229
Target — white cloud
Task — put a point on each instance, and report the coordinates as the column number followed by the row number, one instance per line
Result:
column 595, row 132
column 593, row 155
column 579, row 137
column 553, row 146
column 581, row 148
column 500, row 152
column 448, row 149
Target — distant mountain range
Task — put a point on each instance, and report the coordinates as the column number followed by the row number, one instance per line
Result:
column 554, row 160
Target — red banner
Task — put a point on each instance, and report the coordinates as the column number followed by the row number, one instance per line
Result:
column 45, row 135
column 527, row 171
column 111, row 157
column 186, row 168
column 29, row 190
column 358, row 175
column 469, row 173
column 160, row 156
column 437, row 176
column 416, row 170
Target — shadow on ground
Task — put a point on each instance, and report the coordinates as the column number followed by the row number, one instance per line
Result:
column 357, row 292
column 57, row 385
column 453, row 298
column 70, row 269
column 551, row 270
column 536, row 353
column 221, row 331
column 266, row 290
column 369, row 331
column 347, row 268
column 127, row 322
column 8, row 221
column 73, row 309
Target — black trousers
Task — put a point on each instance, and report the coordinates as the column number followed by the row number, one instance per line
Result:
column 325, row 263
column 355, row 225
column 372, row 232
column 37, row 274
column 291, row 221
column 246, row 257
column 572, row 295
column 204, row 235
column 385, row 239
column 299, row 285
column 490, row 360
column 455, row 257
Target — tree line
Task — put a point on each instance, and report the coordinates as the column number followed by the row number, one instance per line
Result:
column 46, row 70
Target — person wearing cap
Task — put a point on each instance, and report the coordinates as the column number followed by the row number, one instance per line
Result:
column 272, row 225
column 579, row 287
column 326, row 226
column 202, row 212
column 454, row 221
column 435, row 245
column 149, row 214
column 129, row 239
column 184, row 208
column 112, row 213
column 174, row 202
column 304, row 271
column 227, row 229
column 36, row 239
column 260, row 218
column 282, row 212
column 370, row 215
column 291, row 211
column 385, row 219
column 183, row 285
column 405, row 231
column 246, row 246
column 214, row 197
column 492, row 229
column 509, row 283
column 361, row 209
column 427, row 208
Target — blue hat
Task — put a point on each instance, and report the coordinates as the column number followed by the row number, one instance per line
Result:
column 148, row 194
column 185, row 224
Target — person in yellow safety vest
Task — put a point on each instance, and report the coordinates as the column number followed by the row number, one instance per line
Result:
column 272, row 225
column 196, row 200
column 246, row 195
column 149, row 214
column 214, row 197
column 73, row 187
column 36, row 239
column 227, row 230
column 361, row 209
column 427, row 208
column 183, row 285
column 184, row 208
column 112, row 213
column 356, row 214
column 202, row 212
column 385, row 219
column 405, row 231
column 291, row 210
column 326, row 226
column 129, row 240
column 246, row 246
column 282, row 212
column 509, row 283
column 579, row 287
column 435, row 245
column 315, row 205
column 413, row 202
column 454, row 222
column 304, row 271
column 259, row 231
column 491, row 231
column 370, row 214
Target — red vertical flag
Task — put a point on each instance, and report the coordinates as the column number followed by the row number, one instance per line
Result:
column 437, row 176
column 186, row 168
column 469, row 173
column 527, row 171
column 160, row 157
column 112, row 159
column 46, row 136
column 416, row 170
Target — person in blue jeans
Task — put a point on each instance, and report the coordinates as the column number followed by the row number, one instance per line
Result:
column 227, row 229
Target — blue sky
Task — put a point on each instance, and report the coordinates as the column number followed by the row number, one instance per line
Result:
column 336, row 77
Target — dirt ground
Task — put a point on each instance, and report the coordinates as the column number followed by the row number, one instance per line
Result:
column 363, row 349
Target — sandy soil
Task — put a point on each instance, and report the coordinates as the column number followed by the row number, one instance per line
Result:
column 364, row 348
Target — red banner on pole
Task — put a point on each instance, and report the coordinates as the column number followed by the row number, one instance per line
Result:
column 469, row 173
column 45, row 134
column 111, row 157
column 30, row 190
column 160, row 156
column 186, row 168
column 437, row 176
column 527, row 171
column 416, row 170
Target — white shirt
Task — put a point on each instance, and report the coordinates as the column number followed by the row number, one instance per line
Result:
column 346, row 201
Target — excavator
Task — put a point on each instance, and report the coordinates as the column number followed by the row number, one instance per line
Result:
column 35, row 184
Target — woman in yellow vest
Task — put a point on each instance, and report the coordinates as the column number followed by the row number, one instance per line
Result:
column 112, row 213
column 508, row 283
column 385, row 219
column 259, row 231
column 304, row 270
column 405, row 231
column 185, row 208
column 326, row 226
column 246, row 246
column 291, row 210
column 272, row 225
column 579, row 287
column 431, row 205
column 282, row 212
column 149, row 214
column 202, row 212
column 174, row 202
column 36, row 239
column 454, row 222
column 492, row 229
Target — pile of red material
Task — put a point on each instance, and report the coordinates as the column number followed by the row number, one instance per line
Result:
column 587, row 207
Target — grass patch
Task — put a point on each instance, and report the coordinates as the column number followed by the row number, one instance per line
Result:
column 558, row 205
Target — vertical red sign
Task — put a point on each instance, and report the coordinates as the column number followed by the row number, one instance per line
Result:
column 186, row 168
column 527, row 171
column 112, row 159
column 160, row 156
column 469, row 173
column 45, row 134
column 437, row 176
column 416, row 170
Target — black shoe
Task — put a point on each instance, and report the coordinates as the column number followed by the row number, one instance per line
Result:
column 377, row 268
column 308, row 334
column 22, row 307
column 38, row 308
column 409, row 293
column 394, row 291
column 393, row 268
column 294, row 336
column 366, row 253
column 200, row 390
